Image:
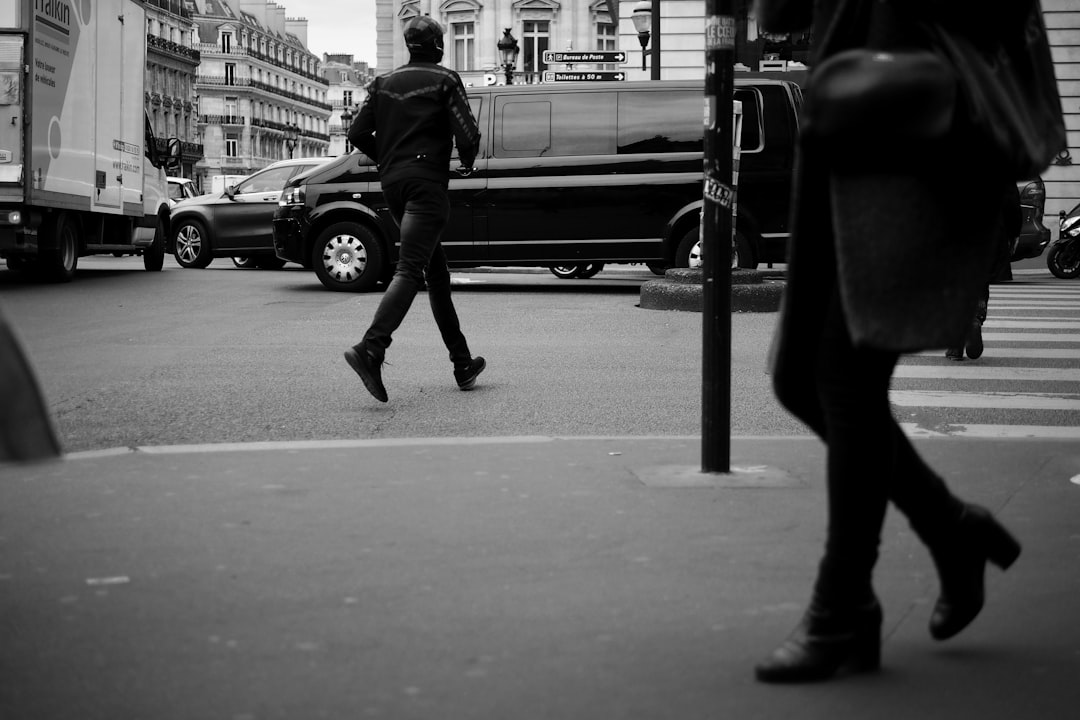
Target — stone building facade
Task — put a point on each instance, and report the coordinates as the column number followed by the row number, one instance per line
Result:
column 260, row 93
column 171, row 66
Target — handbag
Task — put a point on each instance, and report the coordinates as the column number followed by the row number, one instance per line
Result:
column 989, row 83
column 1008, row 95
column 873, row 100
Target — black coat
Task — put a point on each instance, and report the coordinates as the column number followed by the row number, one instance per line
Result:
column 909, row 243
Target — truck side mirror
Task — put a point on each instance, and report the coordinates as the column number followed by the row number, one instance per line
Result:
column 174, row 153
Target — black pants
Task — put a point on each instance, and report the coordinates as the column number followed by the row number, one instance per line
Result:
column 420, row 208
column 842, row 394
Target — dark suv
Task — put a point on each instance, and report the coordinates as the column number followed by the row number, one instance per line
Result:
column 567, row 174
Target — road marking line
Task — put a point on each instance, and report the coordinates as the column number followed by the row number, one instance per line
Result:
column 956, row 371
column 998, row 401
column 1000, row 432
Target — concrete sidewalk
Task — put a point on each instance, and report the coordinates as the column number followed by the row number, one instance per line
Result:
column 513, row 578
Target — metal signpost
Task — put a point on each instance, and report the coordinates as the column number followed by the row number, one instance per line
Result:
column 582, row 76
column 607, row 57
column 719, row 197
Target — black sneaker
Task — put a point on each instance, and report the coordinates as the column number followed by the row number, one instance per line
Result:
column 974, row 343
column 466, row 376
column 369, row 370
column 956, row 354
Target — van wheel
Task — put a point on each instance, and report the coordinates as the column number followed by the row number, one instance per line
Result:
column 688, row 253
column 153, row 258
column 59, row 263
column 191, row 246
column 565, row 272
column 347, row 257
column 657, row 269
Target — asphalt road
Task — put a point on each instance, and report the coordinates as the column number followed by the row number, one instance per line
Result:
column 131, row 358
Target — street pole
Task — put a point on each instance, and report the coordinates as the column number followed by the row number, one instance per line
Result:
column 655, row 52
column 719, row 196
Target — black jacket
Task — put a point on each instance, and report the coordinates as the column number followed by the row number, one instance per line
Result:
column 411, row 118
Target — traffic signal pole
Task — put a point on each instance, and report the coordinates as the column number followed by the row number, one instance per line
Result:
column 719, row 198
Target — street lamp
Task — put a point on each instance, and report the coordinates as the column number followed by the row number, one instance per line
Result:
column 508, row 52
column 291, row 135
column 646, row 19
column 346, row 122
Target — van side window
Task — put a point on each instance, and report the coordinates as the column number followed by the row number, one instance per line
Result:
column 752, row 129
column 661, row 122
column 556, row 125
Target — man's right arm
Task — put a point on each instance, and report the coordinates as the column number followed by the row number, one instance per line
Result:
column 362, row 132
column 466, row 131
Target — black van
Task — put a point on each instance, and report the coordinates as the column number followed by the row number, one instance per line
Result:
column 567, row 175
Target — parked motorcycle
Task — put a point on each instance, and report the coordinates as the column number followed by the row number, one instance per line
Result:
column 1063, row 255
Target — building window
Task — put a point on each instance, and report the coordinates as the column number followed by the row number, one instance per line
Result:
column 231, row 109
column 606, row 37
column 535, row 36
column 346, row 98
column 232, row 145
column 226, row 42
column 464, row 44
column 230, row 73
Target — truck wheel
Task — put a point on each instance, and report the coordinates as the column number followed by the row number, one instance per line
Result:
column 347, row 258
column 59, row 263
column 269, row 262
column 191, row 246
column 21, row 264
column 153, row 258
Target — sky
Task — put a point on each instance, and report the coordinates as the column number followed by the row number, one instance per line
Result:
column 338, row 26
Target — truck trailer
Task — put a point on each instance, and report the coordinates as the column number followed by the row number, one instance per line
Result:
column 80, row 168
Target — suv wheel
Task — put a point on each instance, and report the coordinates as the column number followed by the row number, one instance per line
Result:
column 191, row 246
column 347, row 258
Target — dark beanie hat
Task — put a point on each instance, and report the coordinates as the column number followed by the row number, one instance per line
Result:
column 422, row 32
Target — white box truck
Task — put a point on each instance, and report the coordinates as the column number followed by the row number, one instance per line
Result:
column 80, row 171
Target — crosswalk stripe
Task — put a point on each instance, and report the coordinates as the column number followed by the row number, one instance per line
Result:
column 1033, row 323
column 1036, row 323
column 1011, row 352
column 984, row 401
column 958, row 371
column 1030, row 337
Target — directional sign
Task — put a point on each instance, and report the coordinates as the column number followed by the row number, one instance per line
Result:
column 589, row 76
column 597, row 56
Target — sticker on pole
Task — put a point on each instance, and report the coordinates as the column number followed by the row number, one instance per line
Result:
column 719, row 193
column 720, row 32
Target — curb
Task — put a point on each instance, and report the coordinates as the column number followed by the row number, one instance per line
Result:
column 683, row 289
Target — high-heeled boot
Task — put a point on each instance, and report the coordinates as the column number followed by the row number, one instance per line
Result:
column 961, row 557
column 827, row 642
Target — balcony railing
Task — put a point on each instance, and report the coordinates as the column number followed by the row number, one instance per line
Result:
column 223, row 119
column 237, row 51
column 190, row 151
column 240, row 81
column 176, row 7
column 168, row 46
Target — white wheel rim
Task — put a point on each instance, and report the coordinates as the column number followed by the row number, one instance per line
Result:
column 344, row 258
